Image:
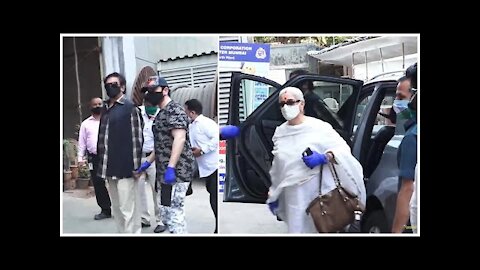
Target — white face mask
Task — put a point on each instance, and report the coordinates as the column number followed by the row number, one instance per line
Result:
column 290, row 111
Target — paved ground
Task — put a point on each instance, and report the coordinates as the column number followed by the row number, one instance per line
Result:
column 79, row 207
column 248, row 218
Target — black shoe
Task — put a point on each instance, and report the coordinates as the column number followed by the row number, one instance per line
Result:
column 102, row 215
column 145, row 225
column 189, row 190
column 159, row 229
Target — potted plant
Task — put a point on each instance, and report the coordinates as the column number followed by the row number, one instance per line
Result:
column 83, row 177
column 68, row 182
column 70, row 150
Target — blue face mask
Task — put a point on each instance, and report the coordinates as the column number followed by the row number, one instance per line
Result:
column 400, row 105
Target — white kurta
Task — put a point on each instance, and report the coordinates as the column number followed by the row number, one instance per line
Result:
column 294, row 184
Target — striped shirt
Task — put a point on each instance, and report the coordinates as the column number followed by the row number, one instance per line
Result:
column 120, row 139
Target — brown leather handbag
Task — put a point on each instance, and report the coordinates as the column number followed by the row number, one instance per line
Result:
column 333, row 211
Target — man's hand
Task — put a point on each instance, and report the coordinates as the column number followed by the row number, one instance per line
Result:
column 315, row 159
column 170, row 175
column 229, row 132
column 136, row 175
column 143, row 167
column 196, row 151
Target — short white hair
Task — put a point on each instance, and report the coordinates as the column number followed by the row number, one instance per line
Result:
column 297, row 93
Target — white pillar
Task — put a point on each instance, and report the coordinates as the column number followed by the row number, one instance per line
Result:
column 119, row 56
column 110, row 52
column 129, row 63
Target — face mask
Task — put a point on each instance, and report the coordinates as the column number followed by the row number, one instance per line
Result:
column 290, row 111
column 154, row 98
column 400, row 105
column 150, row 110
column 96, row 110
column 112, row 90
column 407, row 114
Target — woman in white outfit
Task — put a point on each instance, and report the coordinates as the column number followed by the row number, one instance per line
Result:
column 295, row 180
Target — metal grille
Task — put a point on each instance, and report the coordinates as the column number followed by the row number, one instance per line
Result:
column 224, row 98
column 224, row 88
column 192, row 76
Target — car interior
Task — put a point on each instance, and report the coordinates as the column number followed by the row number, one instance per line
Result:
column 382, row 132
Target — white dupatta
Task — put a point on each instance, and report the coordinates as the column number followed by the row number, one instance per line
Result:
column 288, row 168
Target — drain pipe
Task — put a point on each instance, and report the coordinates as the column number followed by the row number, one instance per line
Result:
column 78, row 80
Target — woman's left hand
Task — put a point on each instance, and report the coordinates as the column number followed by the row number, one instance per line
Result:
column 315, row 159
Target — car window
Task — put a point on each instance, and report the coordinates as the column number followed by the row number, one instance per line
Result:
column 323, row 100
column 380, row 121
column 252, row 94
column 333, row 94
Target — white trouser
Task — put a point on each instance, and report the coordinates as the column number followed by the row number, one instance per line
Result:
column 413, row 203
column 125, row 204
column 149, row 177
column 174, row 215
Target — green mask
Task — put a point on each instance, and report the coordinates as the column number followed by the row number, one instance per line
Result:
column 150, row 110
column 407, row 114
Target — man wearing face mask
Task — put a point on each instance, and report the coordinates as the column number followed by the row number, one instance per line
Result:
column 87, row 142
column 174, row 158
column 407, row 154
column 149, row 112
column 119, row 148
column 295, row 179
column 402, row 98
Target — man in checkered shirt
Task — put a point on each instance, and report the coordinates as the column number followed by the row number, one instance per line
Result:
column 119, row 148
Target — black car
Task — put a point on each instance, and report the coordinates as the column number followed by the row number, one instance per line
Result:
column 356, row 118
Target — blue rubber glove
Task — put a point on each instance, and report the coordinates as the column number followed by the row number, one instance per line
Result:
column 170, row 175
column 229, row 132
column 315, row 159
column 273, row 206
column 144, row 166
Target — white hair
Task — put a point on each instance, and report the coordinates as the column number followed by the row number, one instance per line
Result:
column 297, row 93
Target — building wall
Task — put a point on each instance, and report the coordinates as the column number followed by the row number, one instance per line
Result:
column 172, row 47
column 145, row 55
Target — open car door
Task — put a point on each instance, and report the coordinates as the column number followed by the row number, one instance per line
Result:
column 249, row 156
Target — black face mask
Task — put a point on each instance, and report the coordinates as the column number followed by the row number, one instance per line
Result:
column 96, row 110
column 112, row 89
column 154, row 98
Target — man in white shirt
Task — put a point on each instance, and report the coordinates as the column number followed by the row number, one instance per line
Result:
column 204, row 138
column 148, row 113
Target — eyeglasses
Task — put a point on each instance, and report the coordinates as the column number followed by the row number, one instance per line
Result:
column 289, row 102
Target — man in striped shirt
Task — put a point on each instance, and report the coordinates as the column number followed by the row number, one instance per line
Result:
column 119, row 150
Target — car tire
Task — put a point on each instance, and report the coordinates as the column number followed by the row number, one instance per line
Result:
column 375, row 222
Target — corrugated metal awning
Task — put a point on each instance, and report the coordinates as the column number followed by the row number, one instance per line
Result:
column 376, row 49
column 187, row 56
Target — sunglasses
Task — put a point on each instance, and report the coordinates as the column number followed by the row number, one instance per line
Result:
column 112, row 84
column 289, row 102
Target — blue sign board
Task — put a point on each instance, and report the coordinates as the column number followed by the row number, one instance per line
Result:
column 244, row 52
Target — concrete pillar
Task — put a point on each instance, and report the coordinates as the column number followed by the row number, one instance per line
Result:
column 119, row 56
